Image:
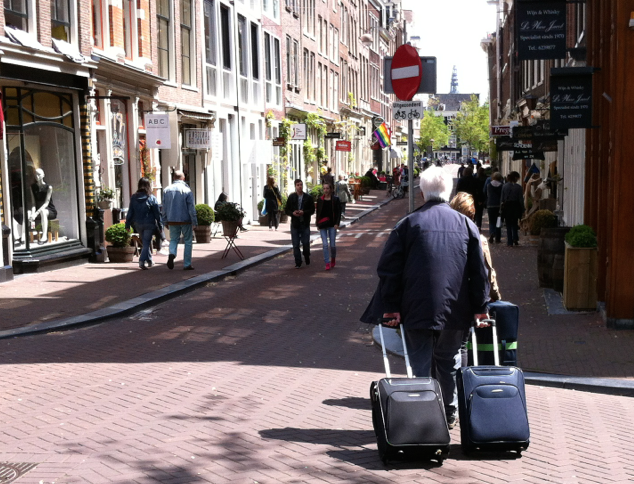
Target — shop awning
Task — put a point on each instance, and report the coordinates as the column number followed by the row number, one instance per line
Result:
column 198, row 116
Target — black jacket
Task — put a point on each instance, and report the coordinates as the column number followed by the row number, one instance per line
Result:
column 335, row 216
column 271, row 195
column 308, row 206
column 432, row 270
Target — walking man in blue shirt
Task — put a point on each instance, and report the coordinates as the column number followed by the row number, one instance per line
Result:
column 179, row 215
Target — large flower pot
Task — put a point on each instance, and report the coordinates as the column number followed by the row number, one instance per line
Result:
column 203, row 234
column 550, row 257
column 263, row 220
column 283, row 218
column 580, row 278
column 120, row 254
column 230, row 228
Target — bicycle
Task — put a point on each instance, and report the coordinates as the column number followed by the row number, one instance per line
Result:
column 397, row 191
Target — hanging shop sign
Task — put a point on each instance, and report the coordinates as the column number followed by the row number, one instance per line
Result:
column 539, row 131
column 500, row 131
column 571, row 97
column 529, row 154
column 198, row 139
column 279, row 141
column 298, row 131
column 540, row 29
column 332, row 135
column 510, row 144
column 343, row 146
column 157, row 129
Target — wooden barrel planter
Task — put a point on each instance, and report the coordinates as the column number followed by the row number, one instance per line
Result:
column 203, row 234
column 550, row 257
column 120, row 254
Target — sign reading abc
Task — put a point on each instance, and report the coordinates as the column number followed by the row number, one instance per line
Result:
column 157, row 129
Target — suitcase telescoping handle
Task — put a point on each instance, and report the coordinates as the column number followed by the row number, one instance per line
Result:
column 386, row 362
column 474, row 342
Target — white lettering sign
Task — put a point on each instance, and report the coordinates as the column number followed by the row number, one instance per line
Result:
column 198, row 139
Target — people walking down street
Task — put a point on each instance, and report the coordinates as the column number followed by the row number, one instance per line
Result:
column 342, row 190
column 461, row 170
column 463, row 203
column 512, row 207
column 144, row 215
column 494, row 194
column 434, row 280
column 300, row 207
column 328, row 178
column 179, row 215
column 480, row 197
column 327, row 219
column 273, row 200
column 469, row 184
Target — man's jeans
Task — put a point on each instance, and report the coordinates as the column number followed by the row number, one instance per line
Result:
column 329, row 233
column 300, row 235
column 188, row 236
column 443, row 347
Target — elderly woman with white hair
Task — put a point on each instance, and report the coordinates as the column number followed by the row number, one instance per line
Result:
column 434, row 281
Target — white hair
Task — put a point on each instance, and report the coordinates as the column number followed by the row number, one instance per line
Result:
column 436, row 184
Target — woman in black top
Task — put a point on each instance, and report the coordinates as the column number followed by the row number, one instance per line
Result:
column 273, row 200
column 328, row 219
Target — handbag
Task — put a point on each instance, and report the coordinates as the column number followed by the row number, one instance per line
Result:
column 264, row 212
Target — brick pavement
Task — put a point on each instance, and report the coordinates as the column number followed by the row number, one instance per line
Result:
column 261, row 378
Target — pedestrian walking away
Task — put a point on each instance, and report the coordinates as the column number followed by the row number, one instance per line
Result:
column 144, row 215
column 273, row 200
column 300, row 207
column 179, row 215
column 433, row 279
column 342, row 190
column 327, row 220
column 494, row 195
column 328, row 178
column 512, row 207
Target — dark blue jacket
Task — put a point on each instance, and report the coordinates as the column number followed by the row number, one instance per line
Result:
column 143, row 210
column 432, row 270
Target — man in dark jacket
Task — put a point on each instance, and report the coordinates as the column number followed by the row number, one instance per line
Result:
column 433, row 278
column 300, row 207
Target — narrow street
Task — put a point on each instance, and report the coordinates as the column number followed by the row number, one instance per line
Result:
column 262, row 378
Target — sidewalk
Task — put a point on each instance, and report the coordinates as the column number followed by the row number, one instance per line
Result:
column 89, row 293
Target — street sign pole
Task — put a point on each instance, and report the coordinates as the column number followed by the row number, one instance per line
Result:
column 410, row 162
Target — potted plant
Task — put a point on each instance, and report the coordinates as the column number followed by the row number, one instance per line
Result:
column 105, row 196
column 205, row 216
column 120, row 249
column 366, row 183
column 231, row 215
column 283, row 216
column 580, row 268
column 262, row 219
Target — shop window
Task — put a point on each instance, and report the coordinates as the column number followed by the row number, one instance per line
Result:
column 42, row 169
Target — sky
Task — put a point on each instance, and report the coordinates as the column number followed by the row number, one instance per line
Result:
column 451, row 31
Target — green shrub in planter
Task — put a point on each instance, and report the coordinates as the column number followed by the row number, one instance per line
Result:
column 204, row 214
column 230, row 212
column 260, row 205
column 365, row 181
column 118, row 236
column 542, row 219
column 284, row 200
column 581, row 236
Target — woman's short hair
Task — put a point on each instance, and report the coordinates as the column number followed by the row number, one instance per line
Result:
column 497, row 176
column 145, row 186
column 270, row 181
column 463, row 203
column 436, row 184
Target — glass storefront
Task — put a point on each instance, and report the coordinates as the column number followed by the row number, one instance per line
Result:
column 42, row 167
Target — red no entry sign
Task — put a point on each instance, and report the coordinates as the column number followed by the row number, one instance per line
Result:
column 407, row 72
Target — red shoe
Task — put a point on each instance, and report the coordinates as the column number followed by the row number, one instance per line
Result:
column 328, row 266
column 332, row 263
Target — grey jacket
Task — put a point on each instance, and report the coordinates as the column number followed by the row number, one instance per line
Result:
column 178, row 204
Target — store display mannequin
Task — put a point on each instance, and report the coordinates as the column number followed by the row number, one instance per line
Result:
column 43, row 207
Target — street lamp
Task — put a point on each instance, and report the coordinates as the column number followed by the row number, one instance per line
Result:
column 431, row 141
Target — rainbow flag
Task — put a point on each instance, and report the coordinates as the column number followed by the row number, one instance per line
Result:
column 383, row 136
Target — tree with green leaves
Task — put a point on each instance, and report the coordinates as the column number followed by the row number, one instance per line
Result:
column 432, row 127
column 472, row 125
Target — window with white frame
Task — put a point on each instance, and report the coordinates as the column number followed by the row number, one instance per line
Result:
column 60, row 20
column 16, row 14
column 311, row 74
column 130, row 43
column 211, row 56
column 272, row 73
column 164, row 19
column 187, row 37
column 335, row 94
column 318, row 85
column 97, row 26
column 277, row 62
column 242, row 46
column 271, row 8
column 335, row 43
column 225, row 31
column 255, row 51
column 296, row 63
column 306, row 76
column 289, row 62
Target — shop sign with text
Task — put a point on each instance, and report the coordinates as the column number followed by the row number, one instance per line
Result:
column 157, row 131
column 343, row 146
column 571, row 98
column 198, row 139
column 541, row 29
column 500, row 131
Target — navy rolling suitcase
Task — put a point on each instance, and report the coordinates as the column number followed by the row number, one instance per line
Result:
column 492, row 405
column 408, row 414
column 507, row 320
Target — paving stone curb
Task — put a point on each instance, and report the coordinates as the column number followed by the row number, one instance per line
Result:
column 607, row 386
column 136, row 304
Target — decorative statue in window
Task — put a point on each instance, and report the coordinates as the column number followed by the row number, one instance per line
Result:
column 43, row 207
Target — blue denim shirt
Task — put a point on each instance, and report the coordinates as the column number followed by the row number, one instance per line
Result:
column 178, row 204
column 143, row 210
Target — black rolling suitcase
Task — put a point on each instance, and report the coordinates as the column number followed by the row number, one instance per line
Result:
column 492, row 405
column 507, row 320
column 408, row 415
